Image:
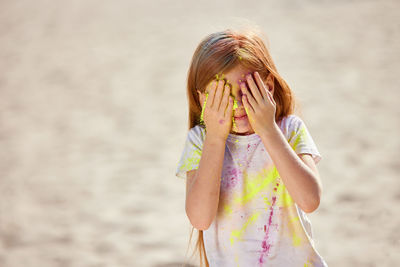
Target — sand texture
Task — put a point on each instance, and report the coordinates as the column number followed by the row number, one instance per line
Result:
column 93, row 119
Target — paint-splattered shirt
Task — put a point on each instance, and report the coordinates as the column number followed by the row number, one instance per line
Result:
column 258, row 223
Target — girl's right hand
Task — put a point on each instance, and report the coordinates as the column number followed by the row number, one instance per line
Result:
column 217, row 110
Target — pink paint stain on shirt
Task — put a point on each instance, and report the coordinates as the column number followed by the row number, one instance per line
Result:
column 221, row 121
column 266, row 245
column 231, row 178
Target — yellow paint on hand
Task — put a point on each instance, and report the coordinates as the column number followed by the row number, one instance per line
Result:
column 202, row 110
column 219, row 76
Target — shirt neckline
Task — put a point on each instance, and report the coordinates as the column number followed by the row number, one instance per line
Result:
column 243, row 138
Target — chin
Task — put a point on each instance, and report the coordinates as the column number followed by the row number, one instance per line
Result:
column 242, row 130
column 241, row 127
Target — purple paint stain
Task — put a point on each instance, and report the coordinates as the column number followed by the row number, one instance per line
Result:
column 265, row 243
column 221, row 121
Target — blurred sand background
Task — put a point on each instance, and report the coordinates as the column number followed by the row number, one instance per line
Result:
column 93, row 119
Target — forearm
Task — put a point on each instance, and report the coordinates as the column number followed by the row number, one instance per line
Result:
column 300, row 181
column 203, row 197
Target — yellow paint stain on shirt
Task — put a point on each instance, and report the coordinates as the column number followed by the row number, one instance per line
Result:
column 237, row 260
column 267, row 201
column 227, row 209
column 300, row 135
column 237, row 234
column 296, row 241
column 293, row 219
column 293, row 225
column 192, row 161
column 284, row 199
column 255, row 184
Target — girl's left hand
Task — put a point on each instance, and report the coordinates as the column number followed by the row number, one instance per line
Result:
column 260, row 105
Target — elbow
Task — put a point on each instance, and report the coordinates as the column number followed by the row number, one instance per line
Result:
column 199, row 224
column 314, row 203
column 201, row 227
column 311, row 207
column 198, row 221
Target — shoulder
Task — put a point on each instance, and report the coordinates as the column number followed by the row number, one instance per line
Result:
column 197, row 130
column 197, row 134
column 291, row 122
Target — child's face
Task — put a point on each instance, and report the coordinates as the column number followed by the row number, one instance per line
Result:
column 240, row 125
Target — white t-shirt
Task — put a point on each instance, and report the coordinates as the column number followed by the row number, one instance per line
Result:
column 258, row 223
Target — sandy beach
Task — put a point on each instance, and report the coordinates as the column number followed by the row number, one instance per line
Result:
column 93, row 119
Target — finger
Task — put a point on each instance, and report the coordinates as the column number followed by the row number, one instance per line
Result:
column 271, row 97
column 225, row 99
column 229, row 108
column 250, row 98
column 211, row 94
column 247, row 105
column 254, row 89
column 218, row 94
column 261, row 85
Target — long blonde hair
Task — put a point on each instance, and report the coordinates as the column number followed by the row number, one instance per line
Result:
column 220, row 52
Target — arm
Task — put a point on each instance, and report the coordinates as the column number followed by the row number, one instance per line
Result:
column 302, row 183
column 202, row 195
column 203, row 184
column 298, row 173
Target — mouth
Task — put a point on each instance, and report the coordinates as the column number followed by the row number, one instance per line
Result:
column 241, row 117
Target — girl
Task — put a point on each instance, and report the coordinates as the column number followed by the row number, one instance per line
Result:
column 249, row 162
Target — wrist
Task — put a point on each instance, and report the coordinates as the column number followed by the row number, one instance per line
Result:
column 215, row 139
column 270, row 131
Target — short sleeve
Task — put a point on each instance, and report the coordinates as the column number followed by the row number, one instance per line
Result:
column 300, row 138
column 191, row 153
